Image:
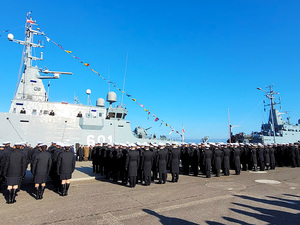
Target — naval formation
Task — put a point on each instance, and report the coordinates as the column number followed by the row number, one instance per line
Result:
column 130, row 164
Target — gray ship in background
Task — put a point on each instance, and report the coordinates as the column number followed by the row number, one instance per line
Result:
column 276, row 130
column 33, row 118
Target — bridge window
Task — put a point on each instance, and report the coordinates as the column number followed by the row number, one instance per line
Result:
column 111, row 115
column 14, row 111
column 119, row 115
column 100, row 114
column 124, row 115
column 34, row 112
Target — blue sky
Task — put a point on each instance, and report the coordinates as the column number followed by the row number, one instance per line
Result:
column 188, row 61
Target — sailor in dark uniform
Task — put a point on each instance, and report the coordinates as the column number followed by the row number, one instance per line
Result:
column 185, row 158
column 237, row 159
column 132, row 162
column 1, row 165
column 162, row 160
column 208, row 154
column 65, row 168
column 267, row 156
column 40, row 170
column 217, row 159
column 226, row 160
column 194, row 159
column 272, row 157
column 14, row 169
column 253, row 155
column 174, row 160
column 153, row 148
column 261, row 157
column 146, row 164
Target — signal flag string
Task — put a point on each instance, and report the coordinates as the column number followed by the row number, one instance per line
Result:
column 114, row 85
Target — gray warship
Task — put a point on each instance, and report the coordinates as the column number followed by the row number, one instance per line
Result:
column 33, row 118
column 276, row 130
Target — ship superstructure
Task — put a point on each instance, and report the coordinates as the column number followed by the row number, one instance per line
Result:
column 33, row 118
column 276, row 130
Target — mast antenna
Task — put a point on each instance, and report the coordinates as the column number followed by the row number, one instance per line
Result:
column 124, row 78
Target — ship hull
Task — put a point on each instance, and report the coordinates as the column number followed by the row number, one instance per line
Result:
column 33, row 128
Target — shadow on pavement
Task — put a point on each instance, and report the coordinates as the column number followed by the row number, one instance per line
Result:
column 169, row 220
column 264, row 213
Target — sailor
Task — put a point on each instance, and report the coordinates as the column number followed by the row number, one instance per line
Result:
column 65, row 168
column 14, row 169
column 237, row 159
column 1, row 165
column 146, row 164
column 292, row 151
column 131, row 165
column 7, row 147
column 107, row 166
column 297, row 153
column 226, row 160
column 153, row 148
column 272, row 157
column 40, row 170
column 122, row 161
column 23, row 111
column 261, row 157
column 194, row 159
column 207, row 160
column 162, row 160
column 114, row 162
column 102, row 158
column 217, row 160
column 185, row 158
column 80, row 153
column 253, row 156
column 267, row 156
column 174, row 160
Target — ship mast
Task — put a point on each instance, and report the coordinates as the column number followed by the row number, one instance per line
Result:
column 31, row 86
column 270, row 95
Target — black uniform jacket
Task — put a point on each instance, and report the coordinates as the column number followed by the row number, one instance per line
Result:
column 66, row 162
column 41, row 164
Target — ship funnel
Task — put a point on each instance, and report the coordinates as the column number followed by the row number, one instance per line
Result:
column 10, row 37
column 111, row 97
column 100, row 102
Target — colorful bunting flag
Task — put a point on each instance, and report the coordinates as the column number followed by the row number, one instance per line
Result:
column 113, row 84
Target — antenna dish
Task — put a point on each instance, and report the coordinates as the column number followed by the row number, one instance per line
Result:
column 10, row 37
column 111, row 97
column 100, row 102
column 88, row 91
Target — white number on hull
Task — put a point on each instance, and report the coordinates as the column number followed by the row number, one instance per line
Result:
column 100, row 139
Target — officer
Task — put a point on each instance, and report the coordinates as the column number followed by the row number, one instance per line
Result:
column 65, row 168
column 174, row 160
column 40, row 170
